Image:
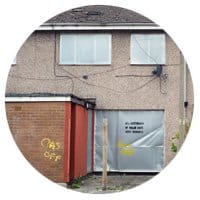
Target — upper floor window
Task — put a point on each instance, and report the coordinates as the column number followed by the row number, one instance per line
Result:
column 147, row 49
column 85, row 49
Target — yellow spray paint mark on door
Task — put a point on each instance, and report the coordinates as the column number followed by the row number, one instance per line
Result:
column 125, row 149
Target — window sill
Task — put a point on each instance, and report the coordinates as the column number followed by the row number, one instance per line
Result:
column 146, row 65
column 84, row 65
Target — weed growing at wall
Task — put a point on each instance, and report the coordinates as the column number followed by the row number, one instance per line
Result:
column 175, row 139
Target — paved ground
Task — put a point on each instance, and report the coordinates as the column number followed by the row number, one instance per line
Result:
column 116, row 183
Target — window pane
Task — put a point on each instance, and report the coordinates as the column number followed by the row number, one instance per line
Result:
column 140, row 49
column 148, row 48
column 67, row 49
column 85, row 49
column 103, row 51
column 157, row 50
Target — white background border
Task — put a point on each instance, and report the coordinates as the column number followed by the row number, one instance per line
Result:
column 18, row 180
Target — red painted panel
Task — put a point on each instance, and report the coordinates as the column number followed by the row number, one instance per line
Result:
column 67, row 141
column 75, row 145
column 80, row 141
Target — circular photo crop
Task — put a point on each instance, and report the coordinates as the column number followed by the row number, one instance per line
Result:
column 99, row 99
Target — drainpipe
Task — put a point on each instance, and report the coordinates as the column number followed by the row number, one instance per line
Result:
column 184, row 95
column 184, row 99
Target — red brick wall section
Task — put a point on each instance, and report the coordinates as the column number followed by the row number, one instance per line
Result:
column 38, row 129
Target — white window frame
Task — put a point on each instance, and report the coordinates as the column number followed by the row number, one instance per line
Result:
column 75, row 49
column 147, row 54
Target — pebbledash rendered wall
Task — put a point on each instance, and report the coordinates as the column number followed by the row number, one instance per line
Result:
column 38, row 70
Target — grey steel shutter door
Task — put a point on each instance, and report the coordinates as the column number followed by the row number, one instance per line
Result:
column 89, row 142
column 135, row 140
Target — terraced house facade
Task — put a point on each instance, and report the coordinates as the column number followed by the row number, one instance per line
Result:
column 91, row 63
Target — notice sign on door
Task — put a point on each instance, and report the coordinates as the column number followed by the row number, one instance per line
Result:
column 134, row 127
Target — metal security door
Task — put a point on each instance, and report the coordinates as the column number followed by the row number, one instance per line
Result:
column 135, row 140
column 89, row 142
